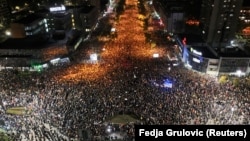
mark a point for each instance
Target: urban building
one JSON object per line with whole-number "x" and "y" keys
{"x": 175, "y": 13}
{"x": 31, "y": 43}
{"x": 5, "y": 13}
{"x": 28, "y": 26}
{"x": 83, "y": 2}
{"x": 245, "y": 15}
{"x": 213, "y": 48}
{"x": 244, "y": 30}
{"x": 199, "y": 56}
{"x": 172, "y": 15}
{"x": 60, "y": 20}
{"x": 25, "y": 53}
{"x": 88, "y": 16}
{"x": 219, "y": 21}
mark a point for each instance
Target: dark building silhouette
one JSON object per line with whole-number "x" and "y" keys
{"x": 5, "y": 14}
{"x": 219, "y": 19}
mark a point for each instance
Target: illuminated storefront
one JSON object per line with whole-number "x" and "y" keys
{"x": 201, "y": 58}
{"x": 197, "y": 61}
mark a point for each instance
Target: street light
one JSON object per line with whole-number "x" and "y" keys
{"x": 109, "y": 129}
{"x": 7, "y": 33}
{"x": 156, "y": 55}
{"x": 232, "y": 111}
{"x": 93, "y": 57}
{"x": 238, "y": 73}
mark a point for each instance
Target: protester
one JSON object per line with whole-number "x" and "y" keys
{"x": 66, "y": 99}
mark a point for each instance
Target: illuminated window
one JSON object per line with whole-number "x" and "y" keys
{"x": 196, "y": 60}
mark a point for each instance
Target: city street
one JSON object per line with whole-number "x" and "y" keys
{"x": 123, "y": 75}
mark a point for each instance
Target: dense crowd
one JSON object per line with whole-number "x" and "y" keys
{"x": 193, "y": 99}
{"x": 60, "y": 109}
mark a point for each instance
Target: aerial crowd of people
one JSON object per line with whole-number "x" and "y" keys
{"x": 63, "y": 101}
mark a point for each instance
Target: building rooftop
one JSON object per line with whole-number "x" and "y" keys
{"x": 197, "y": 43}
{"x": 234, "y": 52}
{"x": 29, "y": 19}
{"x": 34, "y": 42}
{"x": 21, "y": 12}
{"x": 204, "y": 50}
{"x": 87, "y": 9}
{"x": 43, "y": 10}
{"x": 191, "y": 38}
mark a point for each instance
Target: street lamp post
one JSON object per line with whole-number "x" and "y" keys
{"x": 232, "y": 112}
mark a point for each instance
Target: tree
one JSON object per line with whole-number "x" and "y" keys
{"x": 223, "y": 79}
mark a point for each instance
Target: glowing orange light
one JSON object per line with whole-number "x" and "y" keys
{"x": 192, "y": 22}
